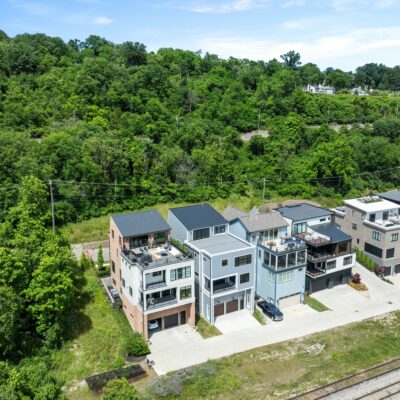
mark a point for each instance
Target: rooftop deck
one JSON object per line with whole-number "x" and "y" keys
{"x": 283, "y": 245}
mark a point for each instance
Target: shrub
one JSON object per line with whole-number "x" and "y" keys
{"x": 100, "y": 259}
{"x": 119, "y": 389}
{"x": 356, "y": 278}
{"x": 135, "y": 345}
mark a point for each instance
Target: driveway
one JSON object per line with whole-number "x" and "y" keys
{"x": 170, "y": 353}
{"x": 236, "y": 321}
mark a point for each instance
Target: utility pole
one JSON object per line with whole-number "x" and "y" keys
{"x": 53, "y": 220}
{"x": 263, "y": 189}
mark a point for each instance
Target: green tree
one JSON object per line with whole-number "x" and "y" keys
{"x": 100, "y": 259}
{"x": 291, "y": 59}
{"x": 119, "y": 389}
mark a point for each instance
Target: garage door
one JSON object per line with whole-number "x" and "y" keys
{"x": 397, "y": 268}
{"x": 171, "y": 320}
{"x": 289, "y": 301}
{"x": 219, "y": 310}
{"x": 232, "y": 306}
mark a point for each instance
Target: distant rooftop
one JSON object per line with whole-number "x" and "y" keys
{"x": 393, "y": 195}
{"x": 260, "y": 222}
{"x": 198, "y": 216}
{"x": 371, "y": 204}
{"x": 304, "y": 211}
{"x": 332, "y": 230}
{"x": 230, "y": 213}
{"x": 140, "y": 223}
{"x": 220, "y": 244}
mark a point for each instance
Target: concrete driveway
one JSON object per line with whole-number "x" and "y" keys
{"x": 236, "y": 321}
{"x": 346, "y": 304}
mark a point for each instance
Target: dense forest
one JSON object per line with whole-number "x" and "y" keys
{"x": 116, "y": 127}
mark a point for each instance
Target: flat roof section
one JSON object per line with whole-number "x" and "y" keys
{"x": 304, "y": 211}
{"x": 392, "y": 195}
{"x": 220, "y": 244}
{"x": 369, "y": 206}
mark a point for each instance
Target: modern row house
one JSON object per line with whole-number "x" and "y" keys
{"x": 374, "y": 224}
{"x": 281, "y": 258}
{"x": 155, "y": 279}
{"x": 330, "y": 257}
{"x": 224, "y": 263}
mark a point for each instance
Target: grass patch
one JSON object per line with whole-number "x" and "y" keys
{"x": 357, "y": 286}
{"x": 100, "y": 346}
{"x": 315, "y": 304}
{"x": 282, "y": 370}
{"x": 96, "y": 229}
{"x": 205, "y": 329}
{"x": 259, "y": 316}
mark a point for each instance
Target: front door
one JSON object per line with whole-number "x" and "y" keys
{"x": 182, "y": 317}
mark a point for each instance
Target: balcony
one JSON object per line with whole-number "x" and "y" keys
{"x": 284, "y": 244}
{"x": 222, "y": 285}
{"x": 313, "y": 272}
{"x": 155, "y": 285}
{"x": 316, "y": 257}
{"x": 160, "y": 299}
{"x": 313, "y": 238}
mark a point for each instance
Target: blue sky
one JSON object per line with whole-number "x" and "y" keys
{"x": 339, "y": 33}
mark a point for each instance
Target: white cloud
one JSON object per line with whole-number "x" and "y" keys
{"x": 102, "y": 20}
{"x": 346, "y": 5}
{"x": 228, "y": 7}
{"x": 345, "y": 50}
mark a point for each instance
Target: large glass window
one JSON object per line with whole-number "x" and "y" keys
{"x": 390, "y": 253}
{"x": 269, "y": 234}
{"x": 201, "y": 233}
{"x": 185, "y": 292}
{"x": 266, "y": 258}
{"x": 300, "y": 227}
{"x": 271, "y": 276}
{"x": 385, "y": 215}
{"x": 347, "y": 260}
{"x": 395, "y": 237}
{"x": 273, "y": 261}
{"x": 291, "y": 259}
{"x": 342, "y": 247}
{"x": 242, "y": 260}
{"x": 219, "y": 229}
{"x": 372, "y": 217}
{"x": 331, "y": 264}
{"x": 301, "y": 257}
{"x": 376, "y": 235}
{"x": 207, "y": 283}
{"x": 282, "y": 261}
{"x": 244, "y": 278}
{"x": 180, "y": 273}
{"x": 285, "y": 277}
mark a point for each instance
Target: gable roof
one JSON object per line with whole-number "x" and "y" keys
{"x": 304, "y": 211}
{"x": 230, "y": 213}
{"x": 392, "y": 195}
{"x": 261, "y": 222}
{"x": 198, "y": 216}
{"x": 332, "y": 230}
{"x": 140, "y": 223}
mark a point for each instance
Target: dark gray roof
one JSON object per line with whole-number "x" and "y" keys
{"x": 140, "y": 223}
{"x": 198, "y": 216}
{"x": 393, "y": 195}
{"x": 303, "y": 212}
{"x": 331, "y": 229}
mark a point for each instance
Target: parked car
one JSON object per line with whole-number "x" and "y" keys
{"x": 114, "y": 293}
{"x": 271, "y": 310}
{"x": 153, "y": 324}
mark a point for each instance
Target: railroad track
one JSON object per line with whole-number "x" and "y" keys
{"x": 385, "y": 392}
{"x": 333, "y": 388}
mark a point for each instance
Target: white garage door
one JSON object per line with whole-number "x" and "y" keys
{"x": 289, "y": 301}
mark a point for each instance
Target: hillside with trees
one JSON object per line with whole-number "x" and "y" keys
{"x": 116, "y": 127}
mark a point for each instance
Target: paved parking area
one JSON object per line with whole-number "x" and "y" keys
{"x": 184, "y": 349}
{"x": 236, "y": 321}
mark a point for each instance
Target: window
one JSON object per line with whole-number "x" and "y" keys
{"x": 112, "y": 266}
{"x": 185, "y": 292}
{"x": 112, "y": 233}
{"x": 347, "y": 260}
{"x": 219, "y": 229}
{"x": 201, "y": 233}
{"x": 342, "y": 248}
{"x": 282, "y": 261}
{"x": 285, "y": 277}
{"x": 271, "y": 276}
{"x": 353, "y": 213}
{"x": 376, "y": 235}
{"x": 224, "y": 263}
{"x": 207, "y": 284}
{"x": 390, "y": 253}
{"x": 259, "y": 253}
{"x": 273, "y": 261}
{"x": 322, "y": 219}
{"x": 244, "y": 278}
{"x": 120, "y": 241}
{"x": 372, "y": 217}
{"x": 123, "y": 282}
{"x": 331, "y": 265}
{"x": 301, "y": 257}
{"x": 269, "y": 234}
{"x": 291, "y": 260}
{"x": 300, "y": 228}
{"x": 371, "y": 249}
{"x": 242, "y": 260}
{"x": 395, "y": 237}
{"x": 385, "y": 215}
{"x": 266, "y": 258}
{"x": 354, "y": 227}
{"x": 117, "y": 253}
{"x": 358, "y": 241}
{"x": 130, "y": 291}
{"x": 157, "y": 273}
{"x": 180, "y": 273}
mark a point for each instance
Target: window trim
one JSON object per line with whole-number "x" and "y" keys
{"x": 246, "y": 274}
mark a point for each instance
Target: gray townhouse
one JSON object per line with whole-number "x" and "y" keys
{"x": 330, "y": 257}
{"x": 281, "y": 258}
{"x": 224, "y": 263}
{"x": 374, "y": 224}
